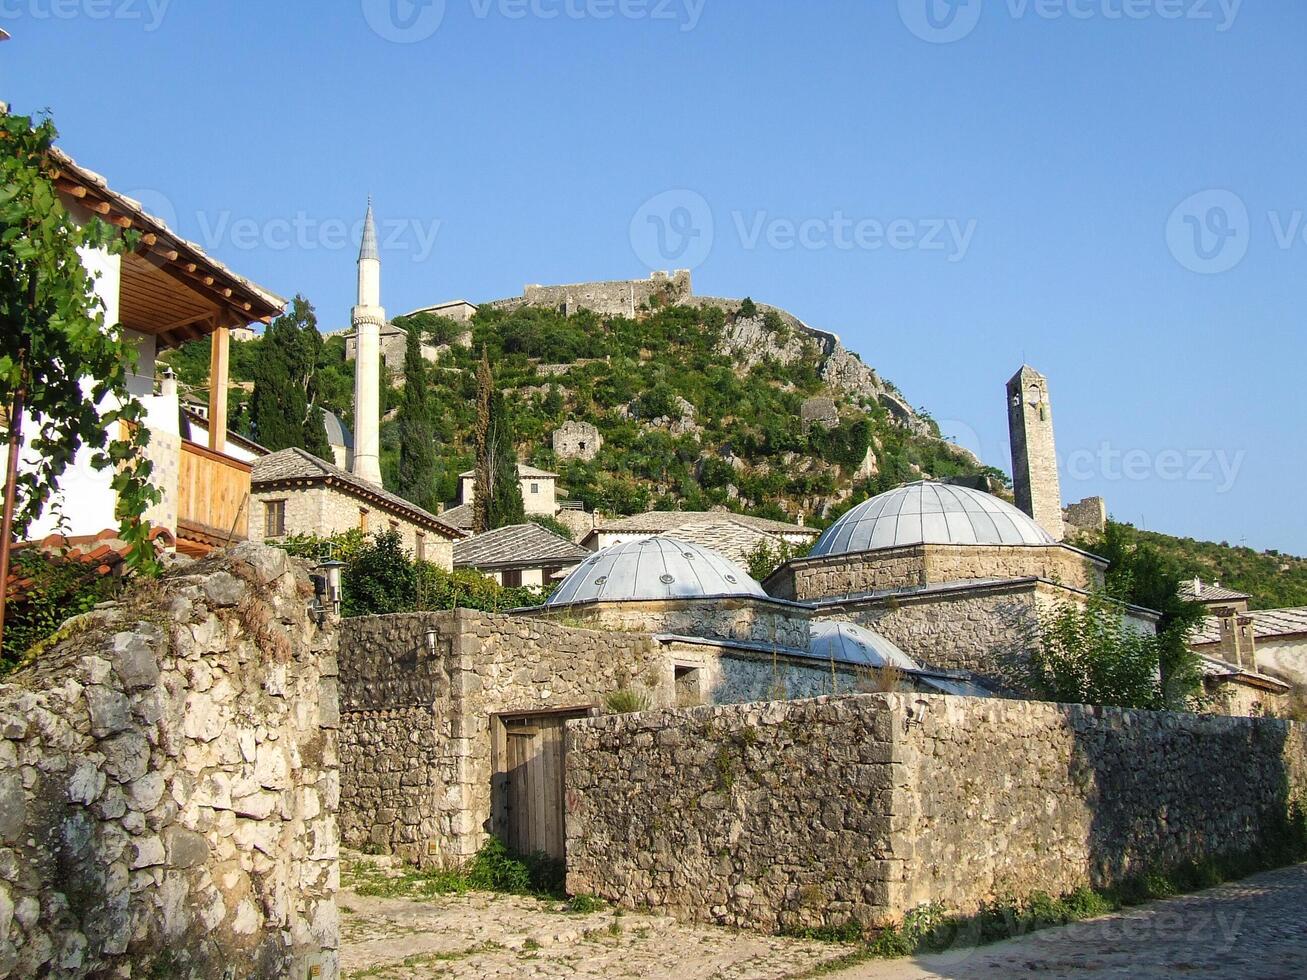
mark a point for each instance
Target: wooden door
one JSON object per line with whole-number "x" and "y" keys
{"x": 533, "y": 784}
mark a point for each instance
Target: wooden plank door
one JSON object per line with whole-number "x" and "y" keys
{"x": 533, "y": 797}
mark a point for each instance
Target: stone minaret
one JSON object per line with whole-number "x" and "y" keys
{"x": 368, "y": 319}
{"x": 1034, "y": 457}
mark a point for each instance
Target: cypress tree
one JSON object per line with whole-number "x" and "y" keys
{"x": 284, "y": 408}
{"x": 416, "y": 479}
{"x": 484, "y": 467}
{"x": 506, "y": 506}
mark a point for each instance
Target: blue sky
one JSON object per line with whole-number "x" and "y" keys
{"x": 1110, "y": 190}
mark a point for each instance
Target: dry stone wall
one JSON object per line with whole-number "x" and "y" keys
{"x": 168, "y": 784}
{"x": 812, "y": 813}
{"x": 416, "y": 734}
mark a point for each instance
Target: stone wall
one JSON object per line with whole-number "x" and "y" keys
{"x": 416, "y": 726}
{"x": 746, "y": 620}
{"x": 577, "y": 440}
{"x": 811, "y": 813}
{"x": 168, "y": 783}
{"x": 913, "y": 566}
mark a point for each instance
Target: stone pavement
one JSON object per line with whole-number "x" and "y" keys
{"x": 1252, "y": 928}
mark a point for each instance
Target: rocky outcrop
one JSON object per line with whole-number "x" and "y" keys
{"x": 168, "y": 784}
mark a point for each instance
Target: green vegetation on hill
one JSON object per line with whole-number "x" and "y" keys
{"x": 685, "y": 425}
{"x": 1273, "y": 580}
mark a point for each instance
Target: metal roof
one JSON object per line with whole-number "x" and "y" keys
{"x": 655, "y": 568}
{"x": 368, "y": 247}
{"x": 930, "y": 513}
{"x": 528, "y": 545}
{"x": 849, "y": 643}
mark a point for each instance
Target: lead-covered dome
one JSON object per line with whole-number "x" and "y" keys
{"x": 852, "y": 644}
{"x": 930, "y": 513}
{"x": 654, "y": 568}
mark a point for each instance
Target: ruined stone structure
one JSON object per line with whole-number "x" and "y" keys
{"x": 820, "y": 411}
{"x": 168, "y": 784}
{"x": 623, "y": 298}
{"x": 577, "y": 440}
{"x": 1034, "y": 455}
{"x": 393, "y": 347}
{"x": 1088, "y": 515}
{"x": 807, "y": 814}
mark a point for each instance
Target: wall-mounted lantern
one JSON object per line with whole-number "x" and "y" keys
{"x": 330, "y": 569}
{"x": 431, "y": 635}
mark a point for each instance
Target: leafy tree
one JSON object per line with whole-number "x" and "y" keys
{"x": 748, "y": 309}
{"x": 1089, "y": 654}
{"x": 284, "y": 407}
{"x": 552, "y": 524}
{"x": 61, "y": 366}
{"x": 765, "y": 557}
{"x": 1141, "y": 575}
{"x": 416, "y": 478}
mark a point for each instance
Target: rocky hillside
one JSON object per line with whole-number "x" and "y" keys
{"x": 701, "y": 403}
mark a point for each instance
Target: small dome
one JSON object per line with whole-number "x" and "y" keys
{"x": 929, "y": 513}
{"x": 654, "y": 568}
{"x": 857, "y": 645}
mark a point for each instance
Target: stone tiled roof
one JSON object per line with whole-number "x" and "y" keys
{"x": 1267, "y": 624}
{"x": 1212, "y": 667}
{"x": 294, "y": 465}
{"x": 663, "y": 521}
{"x": 729, "y": 538}
{"x": 1209, "y": 593}
{"x": 460, "y": 517}
{"x": 525, "y": 545}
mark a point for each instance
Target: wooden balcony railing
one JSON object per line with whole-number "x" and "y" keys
{"x": 213, "y": 499}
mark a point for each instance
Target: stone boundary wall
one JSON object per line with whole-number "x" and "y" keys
{"x": 416, "y": 726}
{"x": 746, "y": 620}
{"x": 168, "y": 783}
{"x": 913, "y": 566}
{"x": 812, "y": 813}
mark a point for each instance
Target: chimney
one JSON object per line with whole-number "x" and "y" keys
{"x": 1238, "y": 640}
{"x": 1198, "y": 587}
{"x": 168, "y": 383}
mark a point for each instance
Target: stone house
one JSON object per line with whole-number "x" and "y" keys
{"x": 539, "y": 495}
{"x": 294, "y": 492}
{"x": 734, "y": 535}
{"x": 519, "y": 555}
{"x": 394, "y": 348}
{"x": 1267, "y": 641}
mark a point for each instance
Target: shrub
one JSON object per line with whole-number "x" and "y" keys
{"x": 60, "y": 589}
{"x": 627, "y": 701}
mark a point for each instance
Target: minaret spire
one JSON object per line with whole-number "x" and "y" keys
{"x": 368, "y": 319}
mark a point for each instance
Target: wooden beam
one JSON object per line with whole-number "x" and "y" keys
{"x": 71, "y": 189}
{"x": 219, "y": 350}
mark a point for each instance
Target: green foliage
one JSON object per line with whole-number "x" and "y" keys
{"x": 494, "y": 869}
{"x": 627, "y": 701}
{"x": 748, "y": 309}
{"x": 60, "y": 589}
{"x": 1090, "y": 655}
{"x": 765, "y": 557}
{"x": 1143, "y": 575}
{"x": 506, "y": 506}
{"x": 1274, "y": 580}
{"x": 69, "y": 368}
{"x": 552, "y": 524}
{"x": 438, "y": 331}
{"x": 585, "y": 905}
{"x": 380, "y": 578}
{"x": 285, "y": 409}
{"x": 416, "y": 478}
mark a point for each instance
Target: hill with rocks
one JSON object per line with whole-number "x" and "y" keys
{"x": 701, "y": 402}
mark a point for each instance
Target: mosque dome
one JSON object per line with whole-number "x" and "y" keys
{"x": 654, "y": 568}
{"x": 930, "y": 513}
{"x": 850, "y": 644}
